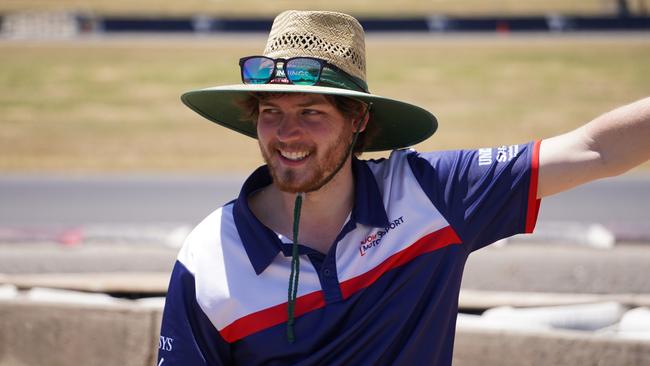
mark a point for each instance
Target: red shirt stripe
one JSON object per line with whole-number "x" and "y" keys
{"x": 277, "y": 314}
{"x": 533, "y": 201}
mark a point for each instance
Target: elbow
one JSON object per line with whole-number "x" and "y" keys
{"x": 614, "y": 162}
{"x": 605, "y": 158}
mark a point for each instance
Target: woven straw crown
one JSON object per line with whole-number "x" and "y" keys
{"x": 335, "y": 37}
{"x": 338, "y": 39}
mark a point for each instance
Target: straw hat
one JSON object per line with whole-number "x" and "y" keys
{"x": 338, "y": 39}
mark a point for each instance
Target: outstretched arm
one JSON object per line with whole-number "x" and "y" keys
{"x": 609, "y": 145}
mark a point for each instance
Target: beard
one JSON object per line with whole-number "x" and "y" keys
{"x": 313, "y": 175}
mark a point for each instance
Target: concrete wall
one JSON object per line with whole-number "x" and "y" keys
{"x": 532, "y": 348}
{"x": 40, "y": 333}
{"x": 125, "y": 333}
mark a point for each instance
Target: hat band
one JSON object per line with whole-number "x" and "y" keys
{"x": 336, "y": 79}
{"x": 332, "y": 78}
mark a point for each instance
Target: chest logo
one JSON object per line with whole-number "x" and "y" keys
{"x": 374, "y": 240}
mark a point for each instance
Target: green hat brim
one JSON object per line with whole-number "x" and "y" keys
{"x": 398, "y": 124}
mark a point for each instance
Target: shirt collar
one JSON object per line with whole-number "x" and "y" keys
{"x": 262, "y": 245}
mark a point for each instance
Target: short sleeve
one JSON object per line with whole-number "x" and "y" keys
{"x": 187, "y": 336}
{"x": 485, "y": 194}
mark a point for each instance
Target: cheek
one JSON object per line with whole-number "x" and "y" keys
{"x": 264, "y": 131}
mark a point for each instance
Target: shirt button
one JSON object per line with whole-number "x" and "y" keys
{"x": 326, "y": 272}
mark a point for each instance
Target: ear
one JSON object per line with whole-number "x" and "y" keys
{"x": 364, "y": 123}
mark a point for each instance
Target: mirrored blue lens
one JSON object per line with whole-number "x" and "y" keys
{"x": 303, "y": 71}
{"x": 257, "y": 70}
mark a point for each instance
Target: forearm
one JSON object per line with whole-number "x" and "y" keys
{"x": 608, "y": 145}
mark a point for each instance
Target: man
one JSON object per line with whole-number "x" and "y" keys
{"x": 327, "y": 259}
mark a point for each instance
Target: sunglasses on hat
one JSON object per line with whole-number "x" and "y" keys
{"x": 295, "y": 70}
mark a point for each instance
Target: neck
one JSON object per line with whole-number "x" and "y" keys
{"x": 334, "y": 197}
{"x": 323, "y": 211}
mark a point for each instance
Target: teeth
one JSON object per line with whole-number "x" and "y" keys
{"x": 294, "y": 155}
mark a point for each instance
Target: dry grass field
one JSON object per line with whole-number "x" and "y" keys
{"x": 358, "y": 7}
{"x": 113, "y": 104}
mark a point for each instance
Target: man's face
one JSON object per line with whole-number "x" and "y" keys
{"x": 303, "y": 138}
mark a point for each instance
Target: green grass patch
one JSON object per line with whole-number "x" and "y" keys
{"x": 98, "y": 106}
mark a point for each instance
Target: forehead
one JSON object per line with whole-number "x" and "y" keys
{"x": 299, "y": 99}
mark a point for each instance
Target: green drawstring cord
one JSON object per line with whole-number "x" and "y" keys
{"x": 295, "y": 270}
{"x": 295, "y": 259}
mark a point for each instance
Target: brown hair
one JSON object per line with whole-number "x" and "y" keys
{"x": 349, "y": 108}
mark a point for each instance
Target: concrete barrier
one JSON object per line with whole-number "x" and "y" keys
{"x": 584, "y": 317}
{"x": 148, "y": 283}
{"x": 635, "y": 323}
{"x": 125, "y": 333}
{"x": 53, "y": 334}
{"x": 477, "y": 300}
{"x": 489, "y": 347}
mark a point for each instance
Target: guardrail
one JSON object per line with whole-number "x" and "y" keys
{"x": 20, "y": 24}
{"x": 435, "y": 23}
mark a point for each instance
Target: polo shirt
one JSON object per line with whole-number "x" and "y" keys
{"x": 387, "y": 290}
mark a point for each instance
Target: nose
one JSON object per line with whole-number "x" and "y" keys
{"x": 289, "y": 128}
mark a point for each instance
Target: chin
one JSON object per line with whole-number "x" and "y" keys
{"x": 289, "y": 184}
{"x": 292, "y": 187}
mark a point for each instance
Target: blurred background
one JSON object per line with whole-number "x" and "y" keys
{"x": 103, "y": 171}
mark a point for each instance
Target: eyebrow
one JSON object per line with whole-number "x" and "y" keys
{"x": 308, "y": 103}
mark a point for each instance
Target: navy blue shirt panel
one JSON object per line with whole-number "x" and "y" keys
{"x": 482, "y": 202}
{"x": 412, "y": 306}
{"x": 186, "y": 336}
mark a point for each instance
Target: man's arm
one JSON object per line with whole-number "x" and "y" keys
{"x": 609, "y": 145}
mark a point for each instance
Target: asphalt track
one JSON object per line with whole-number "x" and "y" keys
{"x": 41, "y": 201}
{"x": 141, "y": 201}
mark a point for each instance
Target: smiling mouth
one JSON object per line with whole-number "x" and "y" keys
{"x": 294, "y": 155}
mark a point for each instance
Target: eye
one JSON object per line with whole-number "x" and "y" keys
{"x": 311, "y": 112}
{"x": 269, "y": 110}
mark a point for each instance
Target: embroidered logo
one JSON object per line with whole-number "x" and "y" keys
{"x": 504, "y": 154}
{"x": 373, "y": 240}
{"x": 484, "y": 156}
{"x": 507, "y": 153}
{"x": 165, "y": 343}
